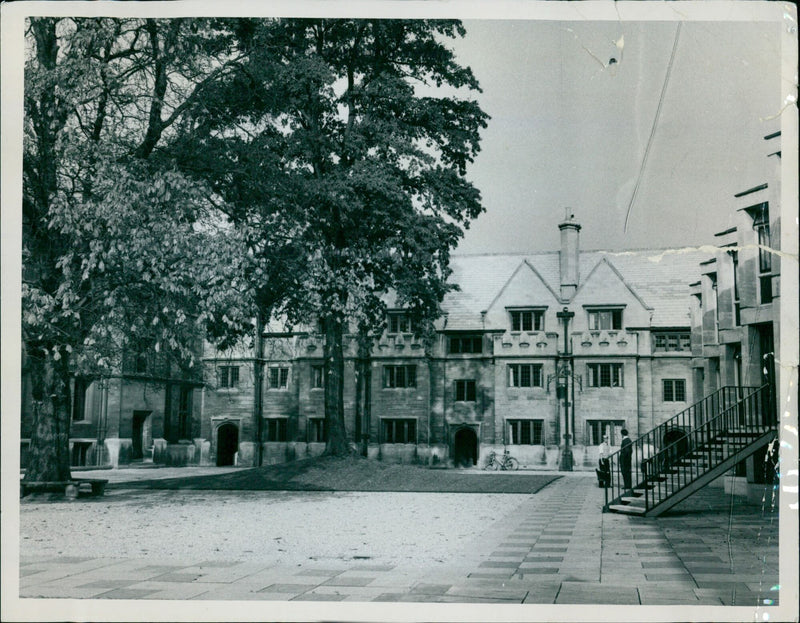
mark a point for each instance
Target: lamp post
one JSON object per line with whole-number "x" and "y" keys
{"x": 562, "y": 384}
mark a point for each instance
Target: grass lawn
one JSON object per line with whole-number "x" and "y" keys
{"x": 351, "y": 474}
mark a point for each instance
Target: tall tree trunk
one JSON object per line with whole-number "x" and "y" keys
{"x": 367, "y": 405}
{"x": 364, "y": 390}
{"x": 359, "y": 424}
{"x": 48, "y": 455}
{"x": 334, "y": 388}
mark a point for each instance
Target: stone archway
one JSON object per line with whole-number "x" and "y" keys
{"x": 227, "y": 443}
{"x": 465, "y": 447}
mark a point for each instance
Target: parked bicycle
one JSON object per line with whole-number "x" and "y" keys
{"x": 504, "y": 461}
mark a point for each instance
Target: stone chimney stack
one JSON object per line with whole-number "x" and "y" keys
{"x": 569, "y": 255}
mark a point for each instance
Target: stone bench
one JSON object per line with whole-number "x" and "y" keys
{"x": 71, "y": 488}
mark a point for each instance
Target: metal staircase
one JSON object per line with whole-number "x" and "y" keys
{"x": 685, "y": 453}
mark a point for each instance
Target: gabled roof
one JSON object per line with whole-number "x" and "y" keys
{"x": 605, "y": 261}
{"x": 525, "y": 265}
{"x": 659, "y": 278}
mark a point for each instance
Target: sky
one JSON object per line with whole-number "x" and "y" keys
{"x": 570, "y": 129}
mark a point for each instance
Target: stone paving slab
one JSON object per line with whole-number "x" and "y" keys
{"x": 555, "y": 548}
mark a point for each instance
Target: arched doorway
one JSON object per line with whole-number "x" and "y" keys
{"x": 465, "y": 448}
{"x": 227, "y": 444}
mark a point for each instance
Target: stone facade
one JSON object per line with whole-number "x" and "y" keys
{"x": 148, "y": 411}
{"x": 736, "y": 303}
{"x": 531, "y": 347}
{"x": 500, "y": 374}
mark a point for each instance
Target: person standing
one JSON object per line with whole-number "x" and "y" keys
{"x": 604, "y": 467}
{"x": 625, "y": 456}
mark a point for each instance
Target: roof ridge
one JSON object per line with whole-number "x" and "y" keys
{"x": 526, "y": 253}
{"x": 500, "y": 253}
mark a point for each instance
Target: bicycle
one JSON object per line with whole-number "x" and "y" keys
{"x": 505, "y": 462}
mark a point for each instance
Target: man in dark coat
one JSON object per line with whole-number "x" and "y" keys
{"x": 625, "y": 455}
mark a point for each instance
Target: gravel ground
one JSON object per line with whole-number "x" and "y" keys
{"x": 287, "y": 528}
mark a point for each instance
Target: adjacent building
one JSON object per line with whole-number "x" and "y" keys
{"x": 149, "y": 410}
{"x": 735, "y": 303}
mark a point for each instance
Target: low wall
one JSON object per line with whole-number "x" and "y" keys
{"x": 118, "y": 451}
{"x": 275, "y": 452}
{"x": 180, "y": 454}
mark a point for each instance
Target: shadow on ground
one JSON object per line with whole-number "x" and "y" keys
{"x": 349, "y": 474}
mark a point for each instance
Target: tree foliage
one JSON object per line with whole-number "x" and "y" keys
{"x": 121, "y": 251}
{"x": 341, "y": 149}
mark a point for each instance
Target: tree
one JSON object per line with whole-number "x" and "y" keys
{"x": 120, "y": 250}
{"x": 352, "y": 137}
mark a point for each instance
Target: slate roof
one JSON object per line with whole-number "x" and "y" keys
{"x": 659, "y": 277}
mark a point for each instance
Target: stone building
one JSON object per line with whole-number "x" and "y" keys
{"x": 736, "y": 302}
{"x": 150, "y": 410}
{"x": 532, "y": 347}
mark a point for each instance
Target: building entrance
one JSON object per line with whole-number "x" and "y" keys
{"x": 465, "y": 448}
{"x": 227, "y": 444}
{"x": 140, "y": 434}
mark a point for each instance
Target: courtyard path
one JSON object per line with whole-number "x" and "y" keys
{"x": 552, "y": 547}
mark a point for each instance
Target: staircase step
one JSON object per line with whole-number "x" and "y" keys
{"x": 679, "y": 472}
{"x": 738, "y": 440}
{"x": 633, "y": 500}
{"x": 626, "y": 509}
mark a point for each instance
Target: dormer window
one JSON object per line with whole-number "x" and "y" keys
{"x": 527, "y": 319}
{"x": 398, "y": 323}
{"x": 605, "y": 319}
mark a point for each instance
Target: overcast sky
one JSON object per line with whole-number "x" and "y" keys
{"x": 570, "y": 129}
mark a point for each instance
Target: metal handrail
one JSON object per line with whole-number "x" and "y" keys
{"x": 732, "y": 430}
{"x": 646, "y": 447}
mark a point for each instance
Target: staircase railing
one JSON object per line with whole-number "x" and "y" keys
{"x": 654, "y": 441}
{"x": 709, "y": 445}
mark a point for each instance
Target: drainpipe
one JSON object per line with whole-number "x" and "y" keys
{"x": 258, "y": 369}
{"x": 572, "y": 401}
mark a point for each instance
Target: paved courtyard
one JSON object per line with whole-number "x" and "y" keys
{"x": 552, "y": 547}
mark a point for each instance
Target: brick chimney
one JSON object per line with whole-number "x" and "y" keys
{"x": 569, "y": 255}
